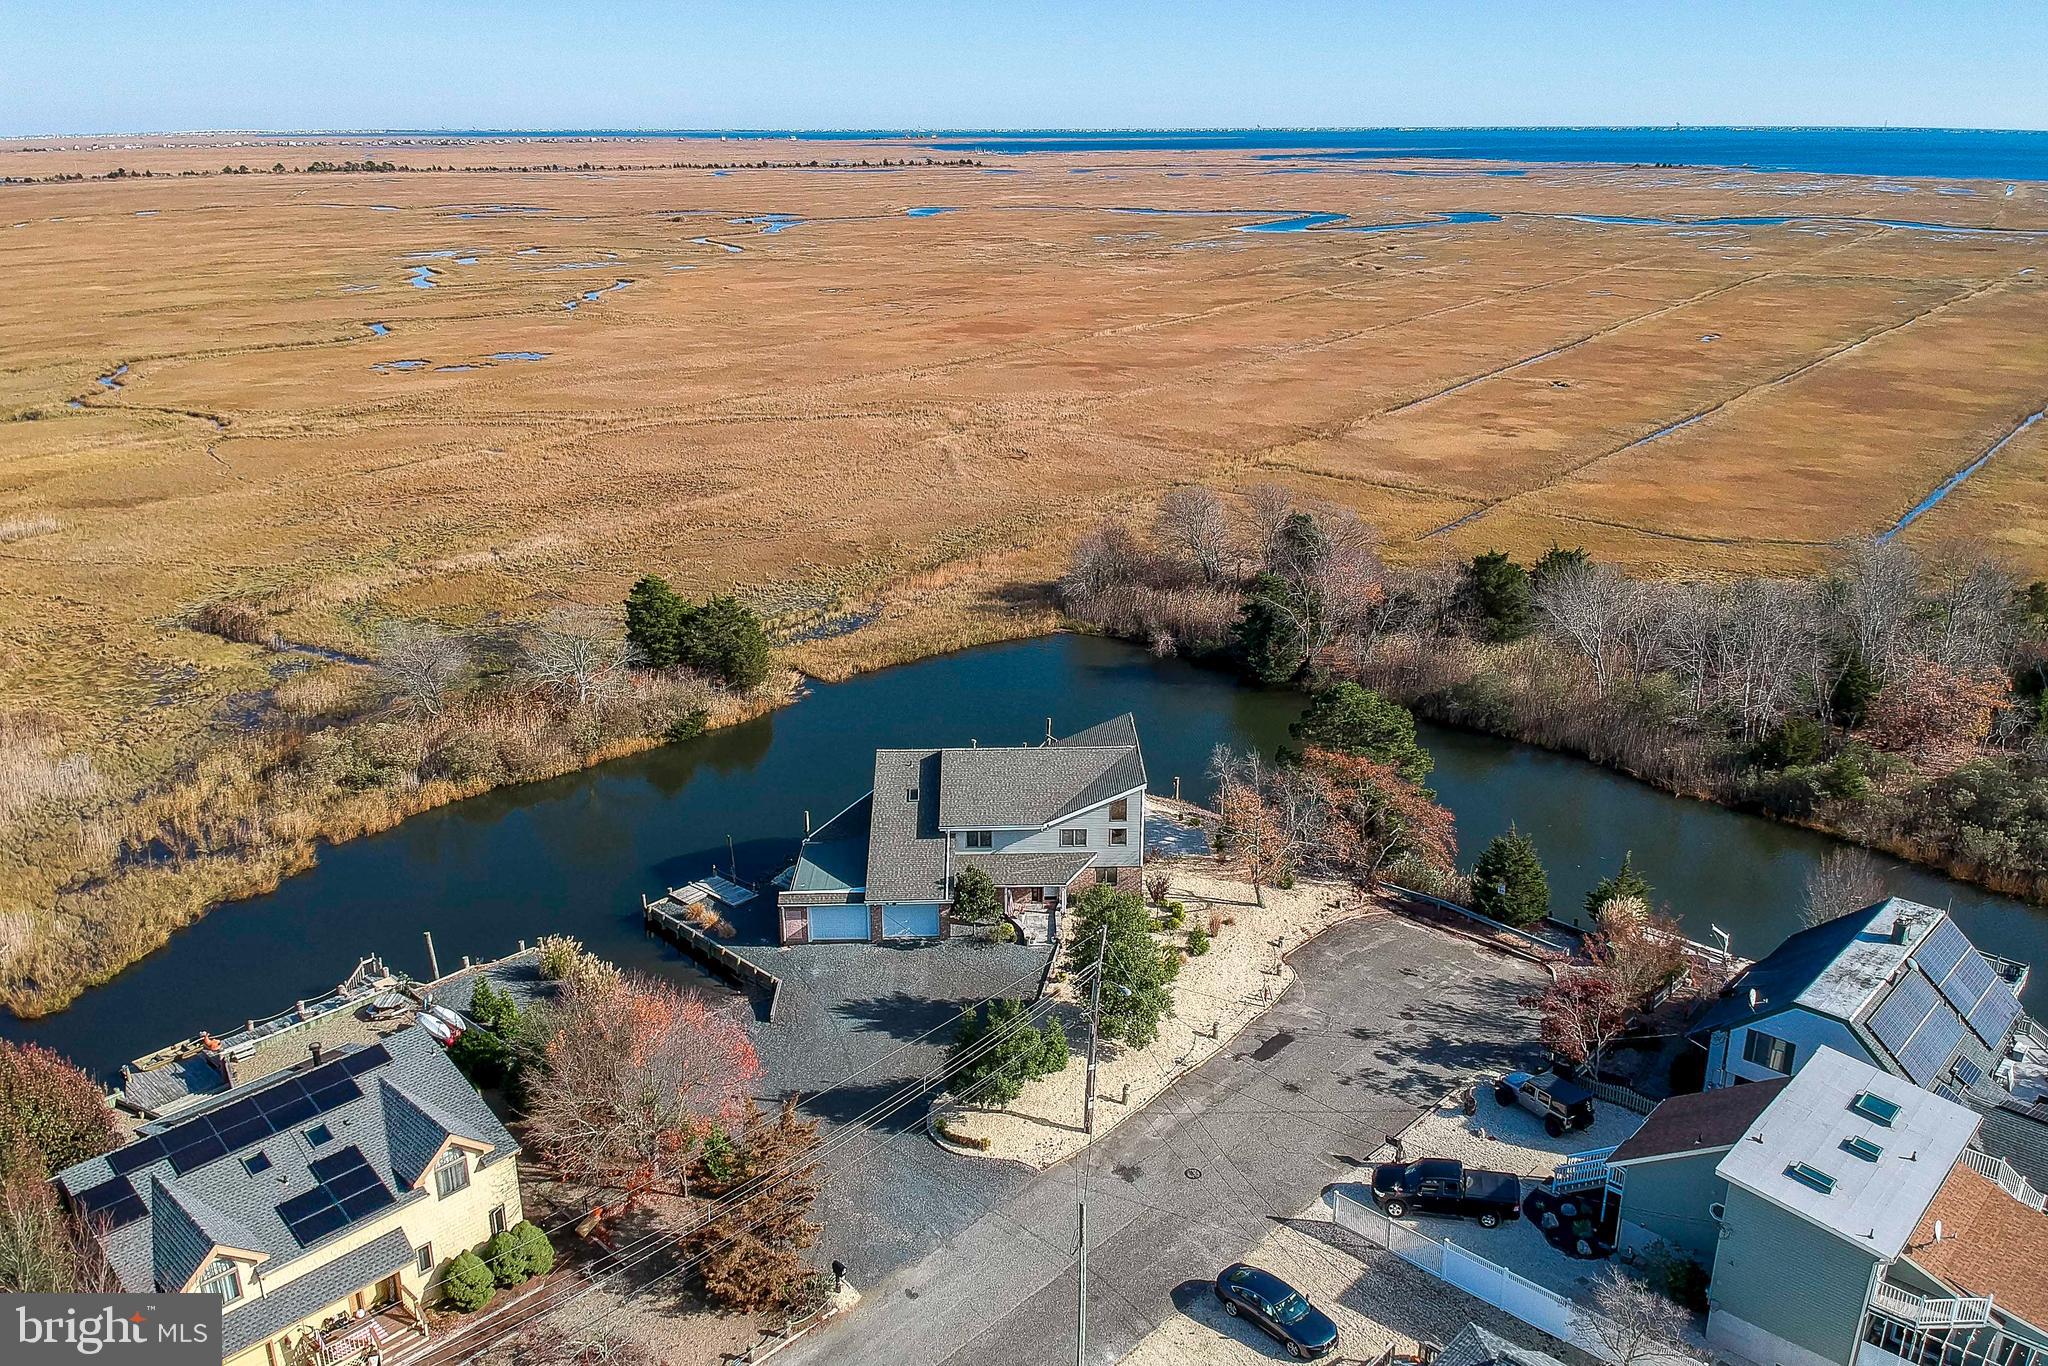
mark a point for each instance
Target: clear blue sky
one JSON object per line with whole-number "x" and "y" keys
{"x": 185, "y": 64}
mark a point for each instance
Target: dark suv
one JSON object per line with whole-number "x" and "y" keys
{"x": 1250, "y": 1293}
{"x": 1560, "y": 1102}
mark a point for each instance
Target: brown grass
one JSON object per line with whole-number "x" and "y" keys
{"x": 864, "y": 418}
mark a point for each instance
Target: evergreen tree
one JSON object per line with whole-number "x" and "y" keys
{"x": 750, "y": 1251}
{"x": 997, "y": 1051}
{"x": 1137, "y": 968}
{"x": 468, "y": 1284}
{"x": 1268, "y": 631}
{"x": 1500, "y": 597}
{"x": 654, "y": 622}
{"x": 1508, "y": 884}
{"x": 724, "y": 639}
{"x": 1855, "y": 689}
{"x": 489, "y": 1054}
{"x": 1354, "y": 720}
{"x": 1625, "y": 881}
{"x": 1557, "y": 560}
{"x": 975, "y": 899}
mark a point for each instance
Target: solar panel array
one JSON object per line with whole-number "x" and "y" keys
{"x": 1970, "y": 983}
{"x": 1918, "y": 1028}
{"x": 348, "y": 1191}
{"x": 272, "y": 1110}
{"x": 114, "y": 1201}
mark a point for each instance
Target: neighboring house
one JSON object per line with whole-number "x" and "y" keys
{"x": 1663, "y": 1174}
{"x": 332, "y": 1194}
{"x": 1900, "y": 986}
{"x": 1851, "y": 1222}
{"x": 1043, "y": 821}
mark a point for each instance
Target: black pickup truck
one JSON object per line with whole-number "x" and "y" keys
{"x": 1441, "y": 1185}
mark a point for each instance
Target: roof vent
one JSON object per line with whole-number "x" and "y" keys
{"x": 1902, "y": 931}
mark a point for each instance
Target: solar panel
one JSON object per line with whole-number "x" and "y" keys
{"x": 113, "y": 1201}
{"x": 1942, "y": 951}
{"x": 1992, "y": 1018}
{"x": 281, "y": 1096}
{"x": 348, "y": 1191}
{"x": 1964, "y": 986}
{"x": 136, "y": 1156}
{"x": 1903, "y": 1012}
{"x": 364, "y": 1059}
{"x": 1967, "y": 1072}
{"x": 202, "y": 1149}
{"x": 1933, "y": 1044}
{"x": 232, "y": 1127}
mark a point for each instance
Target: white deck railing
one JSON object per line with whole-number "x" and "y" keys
{"x": 1925, "y": 1312}
{"x": 1584, "y": 1171}
{"x": 2010, "y": 1181}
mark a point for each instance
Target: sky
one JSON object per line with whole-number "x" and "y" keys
{"x": 181, "y": 65}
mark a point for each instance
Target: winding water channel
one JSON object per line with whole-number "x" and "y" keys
{"x": 574, "y": 854}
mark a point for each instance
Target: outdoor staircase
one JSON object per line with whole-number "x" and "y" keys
{"x": 1585, "y": 1171}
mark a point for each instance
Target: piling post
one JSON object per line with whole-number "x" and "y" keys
{"x": 433, "y": 962}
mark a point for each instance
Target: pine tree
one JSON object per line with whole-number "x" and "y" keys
{"x": 1354, "y": 720}
{"x": 1268, "y": 632}
{"x": 997, "y": 1051}
{"x": 975, "y": 899}
{"x": 1140, "y": 965}
{"x": 726, "y": 640}
{"x": 654, "y": 622}
{"x": 1500, "y": 597}
{"x": 1624, "y": 882}
{"x": 750, "y": 1254}
{"x": 1855, "y": 689}
{"x": 1508, "y": 882}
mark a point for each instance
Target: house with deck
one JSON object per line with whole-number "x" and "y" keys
{"x": 320, "y": 1203}
{"x": 1844, "y": 1217}
{"x": 1043, "y": 821}
{"x": 1898, "y": 985}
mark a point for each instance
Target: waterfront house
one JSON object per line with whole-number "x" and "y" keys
{"x": 1899, "y": 985}
{"x": 1043, "y": 821}
{"x": 321, "y": 1202}
{"x": 1844, "y": 1217}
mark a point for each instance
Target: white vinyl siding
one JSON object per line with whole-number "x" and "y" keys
{"x": 1097, "y": 823}
{"x": 1805, "y": 1030}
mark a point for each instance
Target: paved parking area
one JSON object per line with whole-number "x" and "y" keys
{"x": 1385, "y": 1016}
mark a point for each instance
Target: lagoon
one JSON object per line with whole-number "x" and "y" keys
{"x": 574, "y": 854}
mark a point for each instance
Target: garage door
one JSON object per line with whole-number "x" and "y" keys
{"x": 910, "y": 922}
{"x": 838, "y": 922}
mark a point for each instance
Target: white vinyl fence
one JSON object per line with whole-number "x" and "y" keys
{"x": 1538, "y": 1306}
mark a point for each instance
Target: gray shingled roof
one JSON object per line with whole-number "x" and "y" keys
{"x": 185, "y": 1230}
{"x": 1004, "y": 787}
{"x": 1475, "y": 1346}
{"x": 261, "y": 1316}
{"x": 906, "y": 852}
{"x": 1028, "y": 870}
{"x": 224, "y": 1202}
{"x": 414, "y": 1130}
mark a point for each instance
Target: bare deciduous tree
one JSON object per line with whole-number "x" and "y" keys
{"x": 577, "y": 661}
{"x": 1632, "y": 1321}
{"x": 1108, "y": 558}
{"x": 1846, "y": 879}
{"x": 1191, "y": 521}
{"x": 1266, "y": 510}
{"x": 420, "y": 664}
{"x": 1880, "y": 596}
{"x": 1589, "y": 605}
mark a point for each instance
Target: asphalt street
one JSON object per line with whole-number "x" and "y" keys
{"x": 1383, "y": 1018}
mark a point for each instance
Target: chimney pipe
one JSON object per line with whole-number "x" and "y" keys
{"x": 317, "y": 1052}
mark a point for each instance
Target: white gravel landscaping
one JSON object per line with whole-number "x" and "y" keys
{"x": 1215, "y": 997}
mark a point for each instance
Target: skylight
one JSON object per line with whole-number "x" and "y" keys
{"x": 258, "y": 1161}
{"x": 1863, "y": 1148}
{"x": 1812, "y": 1177}
{"x": 1875, "y": 1108}
{"x": 319, "y": 1134}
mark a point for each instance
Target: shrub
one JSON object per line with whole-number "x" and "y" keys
{"x": 952, "y": 1135}
{"x": 559, "y": 955}
{"x": 1678, "y": 1276}
{"x": 468, "y": 1285}
{"x": 51, "y": 1114}
{"x": 1176, "y": 914}
{"x": 975, "y": 898}
{"x": 505, "y": 1259}
{"x": 1198, "y": 942}
{"x": 688, "y": 726}
{"x": 1508, "y": 883}
{"x": 1801, "y": 740}
{"x": 538, "y": 1251}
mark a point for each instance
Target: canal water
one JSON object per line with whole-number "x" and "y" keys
{"x": 576, "y": 853}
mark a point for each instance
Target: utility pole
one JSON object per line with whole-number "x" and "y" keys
{"x": 1094, "y": 1033}
{"x": 1081, "y": 1295}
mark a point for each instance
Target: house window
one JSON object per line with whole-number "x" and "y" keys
{"x": 1120, "y": 809}
{"x": 1119, "y": 837}
{"x": 978, "y": 839}
{"x": 423, "y": 1262}
{"x": 1105, "y": 877}
{"x": 909, "y": 794}
{"x": 451, "y": 1173}
{"x": 497, "y": 1219}
{"x": 1769, "y": 1052}
{"x": 1074, "y": 839}
{"x": 224, "y": 1279}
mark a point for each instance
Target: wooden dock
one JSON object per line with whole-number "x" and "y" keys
{"x": 668, "y": 917}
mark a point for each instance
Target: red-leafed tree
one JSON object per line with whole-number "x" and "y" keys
{"x": 1362, "y": 815}
{"x": 51, "y": 1114}
{"x": 636, "y": 1075}
{"x": 1581, "y": 1015}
